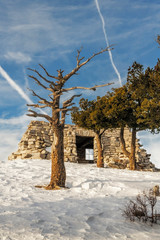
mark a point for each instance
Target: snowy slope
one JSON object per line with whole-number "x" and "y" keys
{"x": 89, "y": 209}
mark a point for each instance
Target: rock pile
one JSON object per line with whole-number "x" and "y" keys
{"x": 34, "y": 142}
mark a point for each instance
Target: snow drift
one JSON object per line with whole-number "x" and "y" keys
{"x": 89, "y": 209}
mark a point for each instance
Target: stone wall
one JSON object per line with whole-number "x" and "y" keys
{"x": 34, "y": 142}
{"x": 39, "y": 136}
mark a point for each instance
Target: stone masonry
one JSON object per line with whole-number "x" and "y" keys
{"x": 39, "y": 136}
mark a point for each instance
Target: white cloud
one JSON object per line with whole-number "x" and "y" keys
{"x": 7, "y": 93}
{"x": 153, "y": 148}
{"x": 9, "y": 142}
{"x": 11, "y": 131}
{"x": 18, "y": 57}
{"x": 30, "y": 33}
{"x": 20, "y": 121}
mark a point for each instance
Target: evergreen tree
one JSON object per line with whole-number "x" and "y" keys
{"x": 136, "y": 105}
{"x": 150, "y": 107}
{"x": 91, "y": 116}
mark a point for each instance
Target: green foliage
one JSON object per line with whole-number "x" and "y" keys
{"x": 137, "y": 103}
{"x": 118, "y": 107}
{"x": 147, "y": 93}
{"x": 91, "y": 115}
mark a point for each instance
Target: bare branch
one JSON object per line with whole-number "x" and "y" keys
{"x": 64, "y": 113}
{"x": 49, "y": 104}
{"x": 51, "y": 98}
{"x": 86, "y": 88}
{"x": 158, "y": 39}
{"x": 65, "y": 109}
{"x": 36, "y": 105}
{"x": 46, "y": 80}
{"x": 70, "y": 100}
{"x": 56, "y": 95}
{"x": 39, "y": 83}
{"x": 79, "y": 65}
{"x": 35, "y": 114}
{"x": 51, "y": 76}
{"x": 66, "y": 106}
{"x": 78, "y": 54}
{"x": 60, "y": 73}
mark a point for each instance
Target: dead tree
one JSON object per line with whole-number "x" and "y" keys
{"x": 55, "y": 85}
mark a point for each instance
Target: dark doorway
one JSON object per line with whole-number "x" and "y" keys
{"x": 85, "y": 153}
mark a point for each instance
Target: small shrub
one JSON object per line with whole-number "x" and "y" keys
{"x": 143, "y": 208}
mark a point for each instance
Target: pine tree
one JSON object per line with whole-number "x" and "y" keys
{"x": 136, "y": 105}
{"x": 91, "y": 116}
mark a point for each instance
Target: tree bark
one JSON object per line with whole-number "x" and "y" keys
{"x": 132, "y": 159}
{"x": 100, "y": 162}
{"x": 58, "y": 172}
{"x": 130, "y": 155}
{"x": 123, "y": 145}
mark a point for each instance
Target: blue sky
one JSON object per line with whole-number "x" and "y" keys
{"x": 49, "y": 32}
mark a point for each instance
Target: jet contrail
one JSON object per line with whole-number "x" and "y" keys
{"x": 15, "y": 86}
{"x": 107, "y": 42}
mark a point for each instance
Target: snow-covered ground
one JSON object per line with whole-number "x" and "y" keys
{"x": 89, "y": 210}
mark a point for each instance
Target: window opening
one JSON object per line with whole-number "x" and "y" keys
{"x": 85, "y": 149}
{"x": 89, "y": 154}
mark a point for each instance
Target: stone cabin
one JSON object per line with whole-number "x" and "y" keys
{"x": 79, "y": 146}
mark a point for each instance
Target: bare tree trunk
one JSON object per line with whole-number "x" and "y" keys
{"x": 58, "y": 173}
{"x": 100, "y": 162}
{"x": 132, "y": 159}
